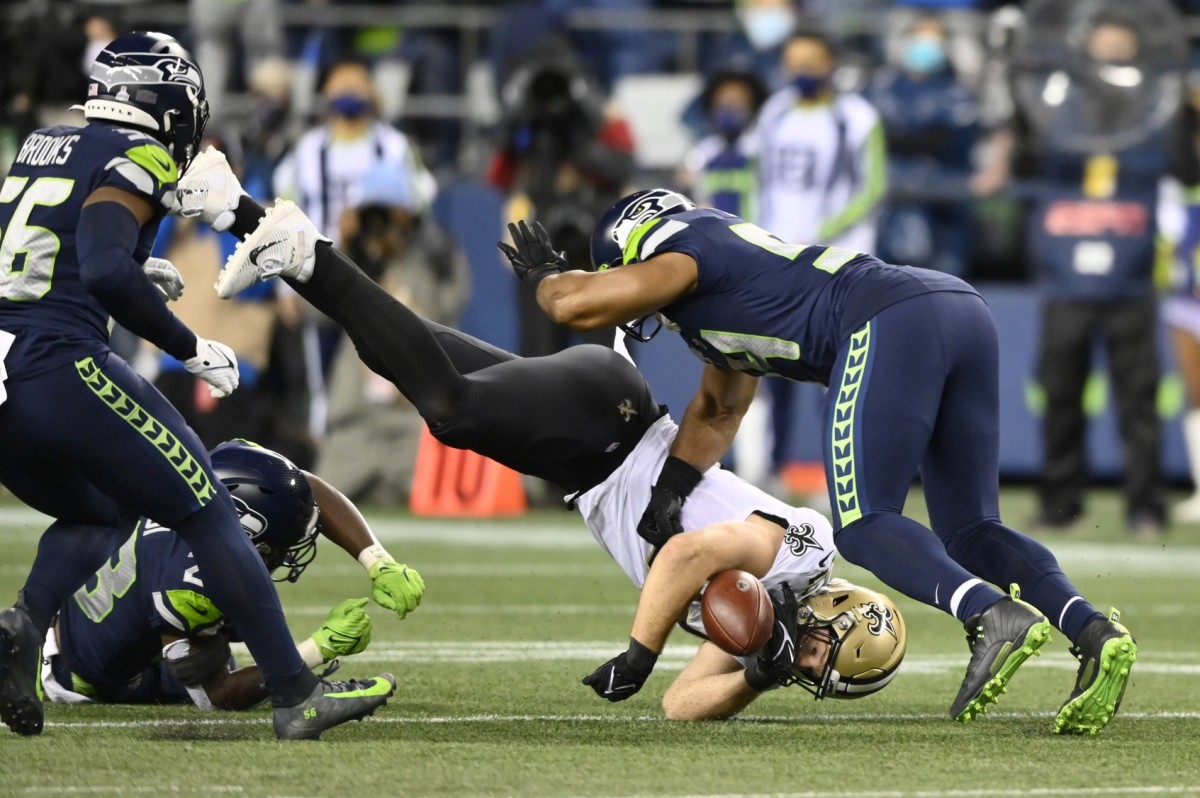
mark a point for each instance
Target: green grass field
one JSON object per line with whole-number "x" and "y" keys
{"x": 516, "y": 612}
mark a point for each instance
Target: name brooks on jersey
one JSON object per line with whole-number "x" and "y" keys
{"x": 42, "y": 150}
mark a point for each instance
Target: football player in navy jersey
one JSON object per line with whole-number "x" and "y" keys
{"x": 910, "y": 357}
{"x": 86, "y": 440}
{"x": 144, "y": 629}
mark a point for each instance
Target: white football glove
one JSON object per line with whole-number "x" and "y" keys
{"x": 209, "y": 190}
{"x": 165, "y": 276}
{"x": 216, "y": 364}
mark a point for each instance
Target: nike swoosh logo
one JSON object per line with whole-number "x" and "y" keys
{"x": 254, "y": 253}
{"x": 612, "y": 689}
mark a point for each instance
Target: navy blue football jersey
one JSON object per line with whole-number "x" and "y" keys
{"x": 42, "y": 299}
{"x": 111, "y": 629}
{"x": 763, "y": 306}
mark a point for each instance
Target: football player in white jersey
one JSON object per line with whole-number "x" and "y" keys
{"x": 584, "y": 419}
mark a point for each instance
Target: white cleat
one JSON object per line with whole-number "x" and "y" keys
{"x": 283, "y": 245}
{"x": 209, "y": 190}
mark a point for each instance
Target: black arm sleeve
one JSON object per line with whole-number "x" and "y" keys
{"x": 105, "y": 238}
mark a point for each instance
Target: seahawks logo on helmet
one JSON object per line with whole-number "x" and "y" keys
{"x": 800, "y": 539}
{"x": 879, "y": 620}
{"x": 254, "y": 523}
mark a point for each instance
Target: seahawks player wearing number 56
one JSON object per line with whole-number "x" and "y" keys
{"x": 600, "y": 436}
{"x": 144, "y": 629}
{"x": 85, "y": 439}
{"x": 910, "y": 356}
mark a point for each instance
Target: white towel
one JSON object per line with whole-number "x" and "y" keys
{"x": 6, "y": 342}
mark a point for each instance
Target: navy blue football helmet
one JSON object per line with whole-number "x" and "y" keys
{"x": 611, "y": 235}
{"x": 275, "y": 503}
{"x": 147, "y": 81}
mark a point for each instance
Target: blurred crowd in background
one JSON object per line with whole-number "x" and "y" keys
{"x": 1023, "y": 142}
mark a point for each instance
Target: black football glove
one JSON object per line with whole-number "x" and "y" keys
{"x": 661, "y": 519}
{"x": 777, "y": 660}
{"x": 624, "y": 674}
{"x": 533, "y": 257}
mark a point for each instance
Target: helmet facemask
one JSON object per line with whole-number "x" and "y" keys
{"x": 866, "y": 636}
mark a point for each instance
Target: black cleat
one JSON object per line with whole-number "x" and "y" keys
{"x": 331, "y": 704}
{"x": 1106, "y": 652}
{"x": 1001, "y": 638}
{"x": 20, "y": 667}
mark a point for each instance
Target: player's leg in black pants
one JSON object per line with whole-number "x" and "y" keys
{"x": 1064, "y": 361}
{"x": 558, "y": 417}
{"x": 960, "y": 472}
{"x": 99, "y": 423}
{"x": 1130, "y": 334}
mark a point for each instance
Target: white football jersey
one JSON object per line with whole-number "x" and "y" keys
{"x": 822, "y": 170}
{"x": 613, "y": 508}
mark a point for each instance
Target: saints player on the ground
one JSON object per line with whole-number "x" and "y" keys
{"x": 585, "y": 420}
{"x": 911, "y": 359}
{"x": 144, "y": 630}
{"x": 85, "y": 439}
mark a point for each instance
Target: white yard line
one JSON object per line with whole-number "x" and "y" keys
{"x": 1092, "y": 558}
{"x": 437, "y": 720}
{"x": 1032, "y": 792}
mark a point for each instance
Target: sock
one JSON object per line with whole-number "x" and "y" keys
{"x": 246, "y": 217}
{"x": 391, "y": 339}
{"x": 1002, "y": 555}
{"x": 68, "y": 555}
{"x": 911, "y": 559}
{"x": 237, "y": 581}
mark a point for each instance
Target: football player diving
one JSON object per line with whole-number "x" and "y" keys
{"x": 144, "y": 629}
{"x": 86, "y": 440}
{"x": 911, "y": 359}
{"x": 585, "y": 420}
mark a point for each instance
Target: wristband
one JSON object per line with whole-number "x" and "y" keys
{"x": 373, "y": 554}
{"x": 758, "y": 679}
{"x": 310, "y": 652}
{"x": 679, "y": 476}
{"x": 640, "y": 658}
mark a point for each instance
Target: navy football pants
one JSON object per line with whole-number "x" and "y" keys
{"x": 916, "y": 389}
{"x": 95, "y": 446}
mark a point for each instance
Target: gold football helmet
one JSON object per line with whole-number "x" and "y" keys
{"x": 866, "y": 637}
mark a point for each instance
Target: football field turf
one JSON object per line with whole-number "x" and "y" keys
{"x": 516, "y": 612}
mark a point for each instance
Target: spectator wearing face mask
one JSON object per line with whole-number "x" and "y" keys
{"x": 931, "y": 123}
{"x": 823, "y": 170}
{"x": 763, "y": 28}
{"x": 822, "y": 174}
{"x": 324, "y": 173}
{"x": 721, "y": 170}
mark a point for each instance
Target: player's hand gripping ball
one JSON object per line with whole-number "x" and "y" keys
{"x": 737, "y": 613}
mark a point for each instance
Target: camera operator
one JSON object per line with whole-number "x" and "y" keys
{"x": 563, "y": 159}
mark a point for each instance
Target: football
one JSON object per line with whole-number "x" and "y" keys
{"x": 737, "y": 612}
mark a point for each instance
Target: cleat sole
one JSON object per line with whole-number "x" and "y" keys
{"x": 1030, "y": 645}
{"x": 1092, "y": 710}
{"x": 19, "y": 710}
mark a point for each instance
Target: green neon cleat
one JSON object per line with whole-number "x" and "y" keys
{"x": 331, "y": 704}
{"x": 1001, "y": 638}
{"x": 1106, "y": 652}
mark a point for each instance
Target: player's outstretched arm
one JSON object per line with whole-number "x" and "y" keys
{"x": 687, "y": 562}
{"x": 106, "y": 237}
{"x": 678, "y": 573}
{"x": 202, "y": 665}
{"x": 394, "y": 585}
{"x": 712, "y": 687}
{"x": 591, "y": 300}
{"x": 709, "y": 424}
